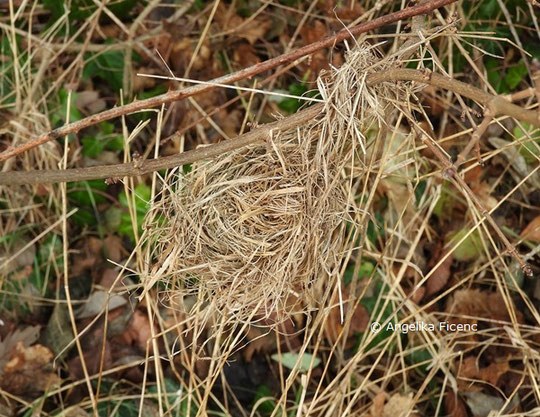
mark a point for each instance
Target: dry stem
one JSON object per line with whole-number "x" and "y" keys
{"x": 246, "y": 73}
{"x": 497, "y": 105}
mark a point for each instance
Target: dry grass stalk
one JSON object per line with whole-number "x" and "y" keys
{"x": 270, "y": 224}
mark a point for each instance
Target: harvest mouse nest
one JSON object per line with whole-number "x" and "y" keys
{"x": 257, "y": 230}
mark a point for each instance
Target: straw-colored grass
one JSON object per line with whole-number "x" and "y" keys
{"x": 269, "y": 222}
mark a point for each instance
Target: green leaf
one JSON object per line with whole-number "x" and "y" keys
{"x": 291, "y": 105}
{"x": 365, "y": 270}
{"x": 419, "y": 191}
{"x": 529, "y": 149}
{"x": 108, "y": 65}
{"x": 488, "y": 9}
{"x": 494, "y": 75}
{"x": 515, "y": 74}
{"x": 446, "y": 202}
{"x": 83, "y": 9}
{"x": 106, "y": 128}
{"x": 83, "y": 193}
{"x": 290, "y": 359}
{"x": 470, "y": 249}
{"x": 143, "y": 194}
{"x": 420, "y": 357}
{"x": 376, "y": 229}
{"x": 268, "y": 406}
{"x": 83, "y": 217}
{"x": 178, "y": 406}
{"x": 60, "y": 113}
{"x": 113, "y": 218}
{"x": 156, "y": 91}
{"x": 374, "y": 306}
{"x": 92, "y": 147}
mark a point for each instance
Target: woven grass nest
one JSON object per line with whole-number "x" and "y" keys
{"x": 260, "y": 230}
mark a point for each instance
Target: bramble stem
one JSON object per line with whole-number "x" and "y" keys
{"x": 245, "y": 73}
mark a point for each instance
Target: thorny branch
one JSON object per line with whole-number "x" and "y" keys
{"x": 496, "y": 105}
{"x": 246, "y": 73}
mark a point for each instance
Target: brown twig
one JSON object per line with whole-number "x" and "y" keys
{"x": 249, "y": 72}
{"x": 137, "y": 168}
{"x": 475, "y": 140}
{"x": 450, "y": 170}
{"x": 496, "y": 104}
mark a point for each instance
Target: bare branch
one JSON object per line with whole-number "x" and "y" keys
{"x": 497, "y": 105}
{"x": 249, "y": 72}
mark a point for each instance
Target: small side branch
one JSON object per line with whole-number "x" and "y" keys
{"x": 450, "y": 170}
{"x": 475, "y": 140}
{"x": 498, "y": 105}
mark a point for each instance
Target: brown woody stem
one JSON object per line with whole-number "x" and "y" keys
{"x": 451, "y": 170}
{"x": 249, "y": 72}
{"x": 496, "y": 105}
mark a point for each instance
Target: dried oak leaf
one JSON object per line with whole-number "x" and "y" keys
{"x": 399, "y": 406}
{"x": 319, "y": 59}
{"x": 28, "y": 370}
{"x": 254, "y": 30}
{"x": 245, "y": 56}
{"x": 377, "y": 405}
{"x": 481, "y": 304}
{"x": 139, "y": 331}
{"x": 26, "y": 336}
{"x": 114, "y": 248}
{"x": 249, "y": 29}
{"x": 263, "y": 340}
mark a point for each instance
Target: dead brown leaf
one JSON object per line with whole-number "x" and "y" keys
{"x": 244, "y": 55}
{"x": 259, "y": 343}
{"x": 483, "y": 192}
{"x": 139, "y": 332}
{"x": 490, "y": 374}
{"x": 433, "y": 103}
{"x": 532, "y": 231}
{"x": 250, "y": 29}
{"x": 439, "y": 278}
{"x": 377, "y": 405}
{"x": 26, "y": 336}
{"x": 399, "y": 406}
{"x": 89, "y": 255}
{"x": 139, "y": 83}
{"x": 89, "y": 102}
{"x": 357, "y": 323}
{"x": 264, "y": 341}
{"x": 109, "y": 279}
{"x": 318, "y": 60}
{"x": 348, "y": 13}
{"x": 481, "y": 304}
{"x": 454, "y": 405}
{"x": 114, "y": 248}
{"x": 28, "y": 371}
{"x": 160, "y": 42}
{"x": 254, "y": 30}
